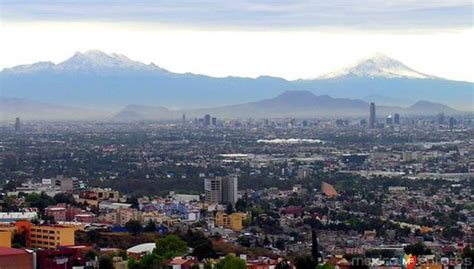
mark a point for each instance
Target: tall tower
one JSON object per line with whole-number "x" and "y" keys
{"x": 213, "y": 190}
{"x": 221, "y": 190}
{"x": 396, "y": 118}
{"x": 207, "y": 120}
{"x": 372, "y": 116}
{"x": 17, "y": 124}
{"x": 229, "y": 190}
{"x": 183, "y": 119}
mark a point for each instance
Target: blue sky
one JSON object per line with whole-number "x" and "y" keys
{"x": 291, "y": 39}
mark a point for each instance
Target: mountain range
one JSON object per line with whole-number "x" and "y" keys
{"x": 107, "y": 83}
{"x": 295, "y": 104}
{"x": 95, "y": 78}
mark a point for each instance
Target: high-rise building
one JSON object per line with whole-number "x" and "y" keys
{"x": 389, "y": 120}
{"x": 396, "y": 118}
{"x": 372, "y": 115}
{"x": 229, "y": 190}
{"x": 183, "y": 119}
{"x": 213, "y": 190}
{"x": 452, "y": 122}
{"x": 221, "y": 190}
{"x": 17, "y": 124}
{"x": 207, "y": 120}
{"x": 214, "y": 121}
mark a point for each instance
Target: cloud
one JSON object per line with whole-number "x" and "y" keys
{"x": 248, "y": 14}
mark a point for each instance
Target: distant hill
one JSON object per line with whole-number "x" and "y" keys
{"x": 137, "y": 112}
{"x": 295, "y": 104}
{"x": 95, "y": 78}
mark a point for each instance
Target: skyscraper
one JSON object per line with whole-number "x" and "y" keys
{"x": 17, "y": 124}
{"x": 372, "y": 115}
{"x": 183, "y": 119}
{"x": 229, "y": 190}
{"x": 396, "y": 118}
{"x": 214, "y": 121}
{"x": 207, "y": 120}
{"x": 221, "y": 190}
{"x": 213, "y": 190}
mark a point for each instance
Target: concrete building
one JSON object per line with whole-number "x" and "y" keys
{"x": 229, "y": 190}
{"x": 213, "y": 190}
{"x": 207, "y": 120}
{"x": 121, "y": 216}
{"x": 372, "y": 116}
{"x": 17, "y": 124}
{"x": 50, "y": 237}
{"x": 221, "y": 190}
{"x": 233, "y": 221}
{"x": 396, "y": 118}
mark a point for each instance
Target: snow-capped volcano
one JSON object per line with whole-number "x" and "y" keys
{"x": 377, "y": 66}
{"x": 89, "y": 61}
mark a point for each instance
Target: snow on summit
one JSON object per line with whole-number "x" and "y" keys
{"x": 89, "y": 61}
{"x": 377, "y": 66}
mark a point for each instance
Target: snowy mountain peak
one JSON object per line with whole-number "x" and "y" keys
{"x": 96, "y": 59}
{"x": 377, "y": 66}
{"x": 90, "y": 61}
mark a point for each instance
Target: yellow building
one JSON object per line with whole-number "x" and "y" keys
{"x": 49, "y": 237}
{"x": 235, "y": 221}
{"x": 6, "y": 238}
{"x": 106, "y": 194}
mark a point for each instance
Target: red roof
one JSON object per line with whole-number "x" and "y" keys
{"x": 4, "y": 251}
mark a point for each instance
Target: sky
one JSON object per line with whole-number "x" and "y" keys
{"x": 287, "y": 38}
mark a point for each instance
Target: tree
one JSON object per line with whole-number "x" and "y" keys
{"x": 305, "y": 262}
{"x": 133, "y": 264}
{"x": 204, "y": 250}
{"x": 170, "y": 246}
{"x": 151, "y": 260}
{"x": 105, "y": 262}
{"x": 150, "y": 227}
{"x": 314, "y": 248}
{"x": 133, "y": 226}
{"x": 231, "y": 262}
{"x": 229, "y": 209}
{"x": 241, "y": 205}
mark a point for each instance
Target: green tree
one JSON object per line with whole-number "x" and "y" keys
{"x": 151, "y": 261}
{"x": 170, "y": 246}
{"x": 133, "y": 226}
{"x": 305, "y": 262}
{"x": 150, "y": 227}
{"x": 105, "y": 262}
{"x": 133, "y": 264}
{"x": 231, "y": 262}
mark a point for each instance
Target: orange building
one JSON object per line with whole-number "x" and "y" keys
{"x": 6, "y": 238}
{"x": 50, "y": 237}
{"x": 44, "y": 236}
